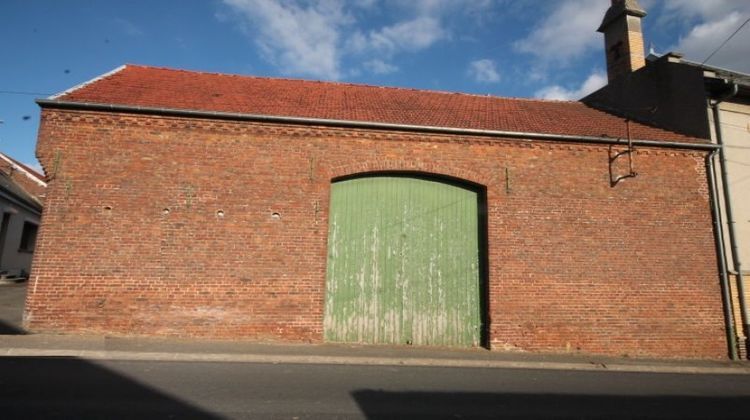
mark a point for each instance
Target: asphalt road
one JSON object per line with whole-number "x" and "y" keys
{"x": 73, "y": 388}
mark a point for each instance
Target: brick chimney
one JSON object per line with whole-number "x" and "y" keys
{"x": 623, "y": 39}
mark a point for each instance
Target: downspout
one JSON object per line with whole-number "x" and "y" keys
{"x": 728, "y": 211}
{"x": 722, "y": 260}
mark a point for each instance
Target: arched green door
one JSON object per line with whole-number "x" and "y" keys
{"x": 403, "y": 263}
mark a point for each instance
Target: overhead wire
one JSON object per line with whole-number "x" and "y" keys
{"x": 21, "y": 92}
{"x": 725, "y": 41}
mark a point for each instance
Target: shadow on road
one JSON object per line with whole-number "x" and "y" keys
{"x": 12, "y": 299}
{"x": 7, "y": 329}
{"x": 378, "y": 405}
{"x": 45, "y": 388}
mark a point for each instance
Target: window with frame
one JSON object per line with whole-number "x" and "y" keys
{"x": 28, "y": 237}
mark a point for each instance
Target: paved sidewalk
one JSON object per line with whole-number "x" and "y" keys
{"x": 153, "y": 349}
{"x": 15, "y": 342}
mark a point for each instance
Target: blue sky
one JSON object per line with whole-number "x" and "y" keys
{"x": 542, "y": 48}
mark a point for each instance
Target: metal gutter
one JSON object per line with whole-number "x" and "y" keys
{"x": 728, "y": 211}
{"x": 11, "y": 197}
{"x": 722, "y": 260}
{"x": 89, "y": 106}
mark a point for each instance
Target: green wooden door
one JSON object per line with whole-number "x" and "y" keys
{"x": 403, "y": 263}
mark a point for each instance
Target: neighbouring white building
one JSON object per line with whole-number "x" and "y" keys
{"x": 21, "y": 198}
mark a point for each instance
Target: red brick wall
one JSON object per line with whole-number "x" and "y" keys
{"x": 131, "y": 242}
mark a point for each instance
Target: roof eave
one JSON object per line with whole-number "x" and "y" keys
{"x": 89, "y": 106}
{"x": 31, "y": 202}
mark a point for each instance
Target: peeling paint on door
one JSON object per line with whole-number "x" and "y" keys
{"x": 403, "y": 263}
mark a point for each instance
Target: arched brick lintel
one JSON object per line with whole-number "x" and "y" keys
{"x": 361, "y": 168}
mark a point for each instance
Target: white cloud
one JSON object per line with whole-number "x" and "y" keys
{"x": 314, "y": 37}
{"x": 411, "y": 35}
{"x": 483, "y": 71}
{"x": 129, "y": 27}
{"x": 706, "y": 10}
{"x": 596, "y": 80}
{"x": 567, "y": 33}
{"x": 300, "y": 39}
{"x": 703, "y": 39}
{"x": 365, "y": 4}
{"x": 379, "y": 67}
{"x": 715, "y": 24}
{"x": 441, "y": 7}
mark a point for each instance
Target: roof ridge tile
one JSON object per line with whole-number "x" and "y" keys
{"x": 340, "y": 83}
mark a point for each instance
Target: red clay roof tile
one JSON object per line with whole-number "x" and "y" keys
{"x": 145, "y": 86}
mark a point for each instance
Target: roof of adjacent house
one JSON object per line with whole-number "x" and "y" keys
{"x": 163, "y": 88}
{"x": 31, "y": 173}
{"x": 10, "y": 186}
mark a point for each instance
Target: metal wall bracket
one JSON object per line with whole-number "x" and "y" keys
{"x": 614, "y": 178}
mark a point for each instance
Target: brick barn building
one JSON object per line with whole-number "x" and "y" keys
{"x": 208, "y": 205}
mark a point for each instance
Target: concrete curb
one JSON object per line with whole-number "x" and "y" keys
{"x": 368, "y": 361}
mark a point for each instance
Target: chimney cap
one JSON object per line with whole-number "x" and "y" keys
{"x": 620, "y": 7}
